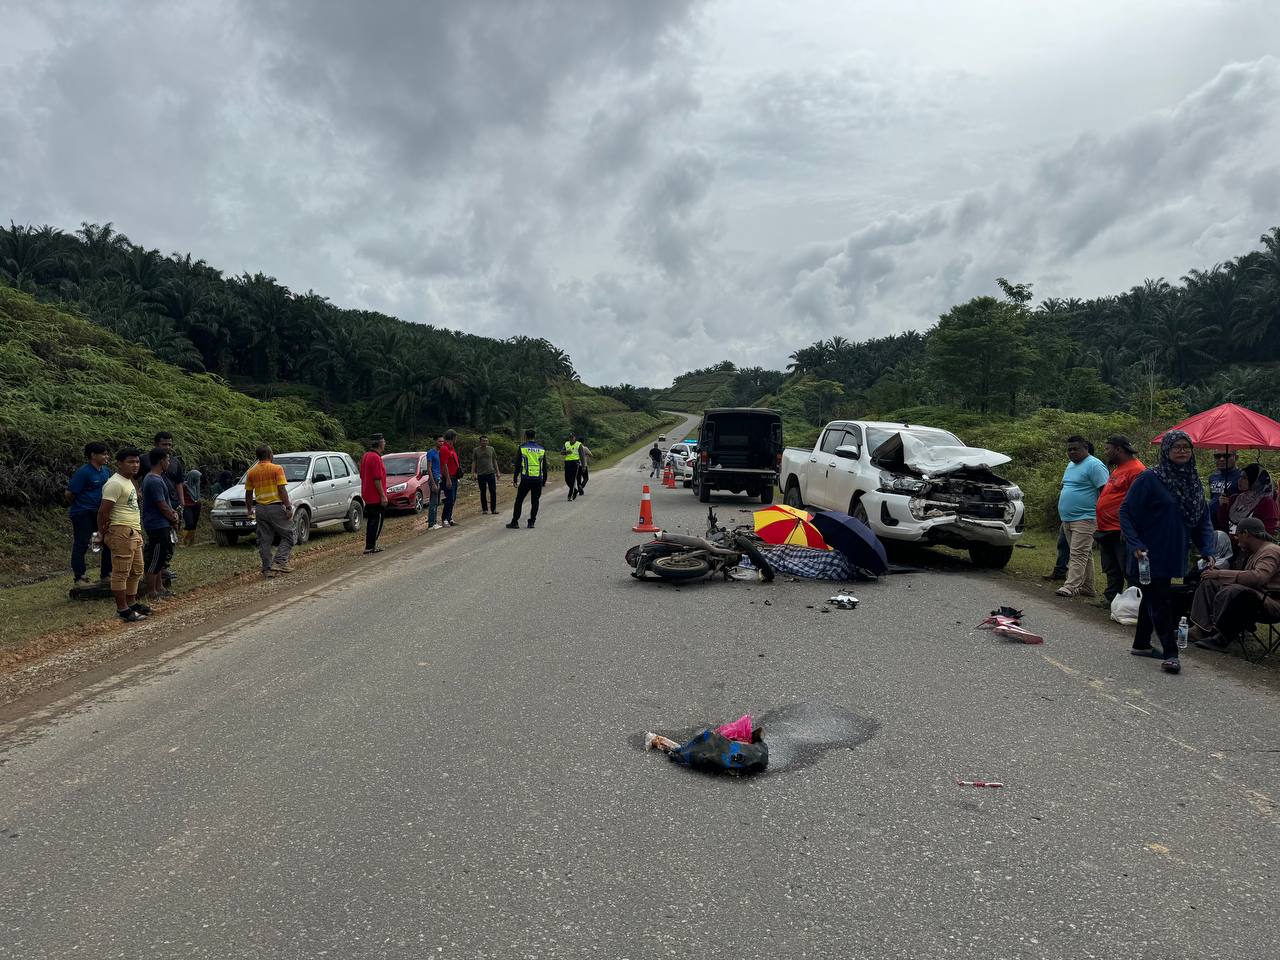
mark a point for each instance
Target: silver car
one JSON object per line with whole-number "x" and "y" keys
{"x": 324, "y": 486}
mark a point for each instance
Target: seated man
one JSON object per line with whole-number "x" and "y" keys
{"x": 1229, "y": 602}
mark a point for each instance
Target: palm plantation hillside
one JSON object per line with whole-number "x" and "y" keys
{"x": 370, "y": 370}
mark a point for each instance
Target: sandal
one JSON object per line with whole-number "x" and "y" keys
{"x": 1147, "y": 652}
{"x": 1171, "y": 665}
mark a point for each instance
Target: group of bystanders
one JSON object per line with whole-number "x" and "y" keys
{"x": 1144, "y": 522}
{"x": 132, "y": 517}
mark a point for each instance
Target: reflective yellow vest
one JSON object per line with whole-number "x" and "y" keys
{"x": 531, "y": 456}
{"x": 571, "y": 449}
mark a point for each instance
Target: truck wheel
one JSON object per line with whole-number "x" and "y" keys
{"x": 224, "y": 539}
{"x": 859, "y": 512}
{"x": 704, "y": 492}
{"x": 792, "y": 496}
{"x": 766, "y": 493}
{"x": 990, "y": 557}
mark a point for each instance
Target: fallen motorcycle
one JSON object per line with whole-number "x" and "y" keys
{"x": 670, "y": 556}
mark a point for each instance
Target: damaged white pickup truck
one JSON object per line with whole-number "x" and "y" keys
{"x": 909, "y": 483}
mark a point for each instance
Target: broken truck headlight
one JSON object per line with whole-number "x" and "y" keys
{"x": 891, "y": 483}
{"x": 1013, "y": 493}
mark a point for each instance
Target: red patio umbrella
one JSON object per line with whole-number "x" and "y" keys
{"x": 1230, "y": 425}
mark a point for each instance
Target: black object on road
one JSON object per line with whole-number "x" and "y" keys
{"x": 715, "y": 753}
{"x": 854, "y": 539}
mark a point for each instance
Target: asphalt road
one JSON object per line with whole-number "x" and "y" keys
{"x": 440, "y": 757}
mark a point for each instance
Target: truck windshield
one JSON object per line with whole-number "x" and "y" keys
{"x": 930, "y": 438}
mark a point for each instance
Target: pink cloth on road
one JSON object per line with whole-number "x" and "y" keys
{"x": 739, "y": 730}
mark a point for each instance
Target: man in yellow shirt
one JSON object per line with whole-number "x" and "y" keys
{"x": 120, "y": 526}
{"x": 265, "y": 489}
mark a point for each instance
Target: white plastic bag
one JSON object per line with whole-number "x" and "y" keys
{"x": 1124, "y": 608}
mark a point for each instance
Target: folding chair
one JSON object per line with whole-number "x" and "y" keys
{"x": 1265, "y": 635}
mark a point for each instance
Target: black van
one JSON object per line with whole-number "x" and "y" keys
{"x": 739, "y": 449}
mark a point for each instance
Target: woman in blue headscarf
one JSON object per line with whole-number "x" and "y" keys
{"x": 1164, "y": 509}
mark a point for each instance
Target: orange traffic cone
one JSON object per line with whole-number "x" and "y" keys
{"x": 669, "y": 477}
{"x": 646, "y": 524}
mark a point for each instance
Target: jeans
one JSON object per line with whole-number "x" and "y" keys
{"x": 583, "y": 475}
{"x": 83, "y": 525}
{"x": 433, "y": 505}
{"x": 272, "y": 523}
{"x": 373, "y": 515}
{"x": 450, "y": 495}
{"x": 488, "y": 491}
{"x": 1156, "y": 614}
{"x": 1080, "y": 566}
{"x": 1064, "y": 553}
{"x": 571, "y": 477}
{"x": 533, "y": 490}
{"x": 1114, "y": 554}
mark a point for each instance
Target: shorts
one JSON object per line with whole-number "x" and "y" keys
{"x": 159, "y": 549}
{"x": 125, "y": 544}
{"x": 190, "y": 517}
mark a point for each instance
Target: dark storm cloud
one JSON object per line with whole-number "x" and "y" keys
{"x": 426, "y": 79}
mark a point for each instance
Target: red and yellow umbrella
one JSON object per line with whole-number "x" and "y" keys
{"x": 783, "y": 524}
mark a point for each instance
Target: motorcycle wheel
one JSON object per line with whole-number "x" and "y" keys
{"x": 758, "y": 560}
{"x": 681, "y": 566}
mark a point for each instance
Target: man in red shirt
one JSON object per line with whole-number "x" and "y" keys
{"x": 373, "y": 487}
{"x": 450, "y": 471}
{"x": 1125, "y": 466}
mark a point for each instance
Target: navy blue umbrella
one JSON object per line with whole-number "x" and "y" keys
{"x": 854, "y": 539}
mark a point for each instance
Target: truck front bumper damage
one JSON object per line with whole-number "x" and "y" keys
{"x": 893, "y": 517}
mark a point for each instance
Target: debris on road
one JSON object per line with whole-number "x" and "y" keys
{"x": 844, "y": 601}
{"x": 1007, "y": 622}
{"x": 730, "y": 748}
{"x": 979, "y": 783}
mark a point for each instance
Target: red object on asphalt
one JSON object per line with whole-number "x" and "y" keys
{"x": 1230, "y": 425}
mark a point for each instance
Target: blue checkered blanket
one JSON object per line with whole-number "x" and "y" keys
{"x": 808, "y": 562}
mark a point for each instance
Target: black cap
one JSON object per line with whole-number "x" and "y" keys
{"x": 1121, "y": 441}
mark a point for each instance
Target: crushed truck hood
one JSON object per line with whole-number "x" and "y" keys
{"x": 903, "y": 451}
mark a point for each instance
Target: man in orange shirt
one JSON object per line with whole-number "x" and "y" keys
{"x": 265, "y": 489}
{"x": 1125, "y": 466}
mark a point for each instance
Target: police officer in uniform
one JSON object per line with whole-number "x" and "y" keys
{"x": 572, "y": 460}
{"x": 531, "y": 474}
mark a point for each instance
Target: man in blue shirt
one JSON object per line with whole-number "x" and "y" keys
{"x": 433, "y": 466}
{"x": 83, "y": 495}
{"x": 1082, "y": 481}
{"x": 159, "y": 523}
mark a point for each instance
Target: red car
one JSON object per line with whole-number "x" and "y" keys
{"x": 408, "y": 482}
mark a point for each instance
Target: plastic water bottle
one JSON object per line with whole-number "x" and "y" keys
{"x": 1144, "y": 571}
{"x": 95, "y": 542}
{"x": 1183, "y": 629}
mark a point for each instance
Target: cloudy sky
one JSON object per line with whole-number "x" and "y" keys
{"x": 654, "y": 185}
